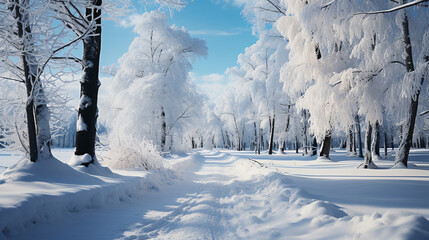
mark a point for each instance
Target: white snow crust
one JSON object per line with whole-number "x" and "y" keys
{"x": 218, "y": 195}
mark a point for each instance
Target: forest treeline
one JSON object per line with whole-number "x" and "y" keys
{"x": 321, "y": 74}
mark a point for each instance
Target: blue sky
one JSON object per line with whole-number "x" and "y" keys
{"x": 226, "y": 32}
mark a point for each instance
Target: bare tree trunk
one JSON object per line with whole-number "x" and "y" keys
{"x": 42, "y": 122}
{"x": 223, "y": 139}
{"x": 18, "y": 9}
{"x": 38, "y": 101}
{"x": 87, "y": 113}
{"x": 350, "y": 140}
{"x": 354, "y": 143}
{"x": 314, "y": 147}
{"x": 304, "y": 132}
{"x": 358, "y": 132}
{"x": 270, "y": 151}
{"x": 228, "y": 141}
{"x": 163, "y": 130}
{"x": 255, "y": 142}
{"x": 385, "y": 143}
{"x": 237, "y": 133}
{"x": 326, "y": 145}
{"x": 296, "y": 144}
{"x": 283, "y": 146}
{"x": 375, "y": 145}
{"x": 406, "y": 141}
{"x": 243, "y": 144}
{"x": 171, "y": 143}
{"x": 367, "y": 162}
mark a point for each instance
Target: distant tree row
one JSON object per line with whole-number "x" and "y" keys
{"x": 330, "y": 70}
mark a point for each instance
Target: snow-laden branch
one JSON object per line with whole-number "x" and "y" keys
{"x": 394, "y": 9}
{"x": 424, "y": 113}
{"x": 183, "y": 115}
{"x": 85, "y": 34}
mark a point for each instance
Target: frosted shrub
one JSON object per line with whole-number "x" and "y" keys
{"x": 134, "y": 156}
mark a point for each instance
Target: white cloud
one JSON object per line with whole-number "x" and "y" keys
{"x": 212, "y": 85}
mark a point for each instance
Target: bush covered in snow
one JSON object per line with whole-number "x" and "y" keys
{"x": 134, "y": 156}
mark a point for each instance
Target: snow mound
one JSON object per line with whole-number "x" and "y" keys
{"x": 186, "y": 164}
{"x": 46, "y": 170}
{"x": 371, "y": 166}
{"x": 323, "y": 159}
{"x": 49, "y": 189}
{"x": 80, "y": 160}
{"x": 401, "y": 165}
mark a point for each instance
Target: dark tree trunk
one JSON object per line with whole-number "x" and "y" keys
{"x": 354, "y": 142}
{"x": 223, "y": 139}
{"x": 314, "y": 147}
{"x": 270, "y": 151}
{"x": 375, "y": 145}
{"x": 163, "y": 129}
{"x": 326, "y": 145}
{"x": 296, "y": 144}
{"x": 255, "y": 142}
{"x": 24, "y": 34}
{"x": 87, "y": 113}
{"x": 283, "y": 147}
{"x": 385, "y": 143}
{"x": 228, "y": 141}
{"x": 368, "y": 156}
{"x": 213, "y": 143}
{"x": 350, "y": 140}
{"x": 31, "y": 125}
{"x": 304, "y": 132}
{"x": 243, "y": 144}
{"x": 406, "y": 141}
{"x": 260, "y": 141}
{"x": 358, "y": 132}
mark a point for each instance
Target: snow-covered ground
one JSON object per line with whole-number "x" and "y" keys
{"x": 218, "y": 195}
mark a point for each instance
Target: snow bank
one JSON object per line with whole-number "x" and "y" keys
{"x": 271, "y": 207}
{"x": 184, "y": 165}
{"x": 44, "y": 191}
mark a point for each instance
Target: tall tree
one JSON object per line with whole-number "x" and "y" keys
{"x": 30, "y": 33}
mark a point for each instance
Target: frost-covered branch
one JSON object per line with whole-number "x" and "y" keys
{"x": 13, "y": 79}
{"x": 85, "y": 34}
{"x": 394, "y": 9}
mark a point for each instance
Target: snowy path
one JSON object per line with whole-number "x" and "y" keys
{"x": 229, "y": 197}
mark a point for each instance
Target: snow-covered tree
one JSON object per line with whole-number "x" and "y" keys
{"x": 31, "y": 39}
{"x": 152, "y": 86}
{"x": 348, "y": 63}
